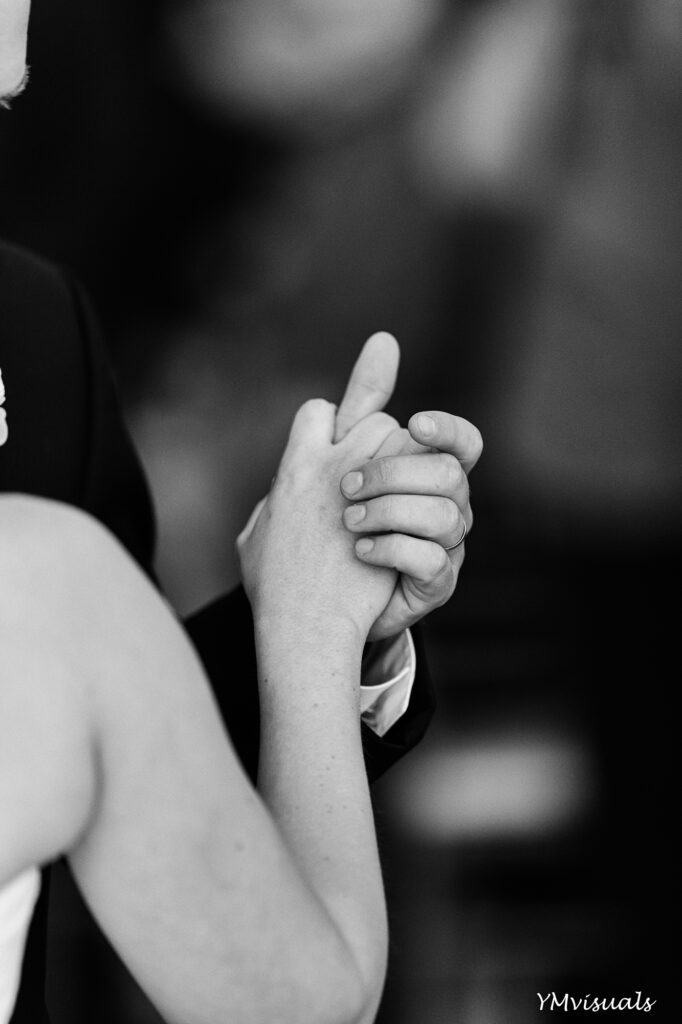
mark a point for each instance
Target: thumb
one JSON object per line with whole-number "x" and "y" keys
{"x": 370, "y": 384}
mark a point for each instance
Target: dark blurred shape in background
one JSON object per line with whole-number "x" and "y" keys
{"x": 248, "y": 189}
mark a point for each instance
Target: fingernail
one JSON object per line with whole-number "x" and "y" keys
{"x": 426, "y": 425}
{"x": 351, "y": 483}
{"x": 364, "y": 546}
{"x": 355, "y": 514}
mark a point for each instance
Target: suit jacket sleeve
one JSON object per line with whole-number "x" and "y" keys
{"x": 117, "y": 493}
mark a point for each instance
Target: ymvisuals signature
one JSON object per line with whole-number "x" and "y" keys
{"x": 566, "y": 1002}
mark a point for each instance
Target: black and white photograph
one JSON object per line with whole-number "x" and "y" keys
{"x": 340, "y": 510}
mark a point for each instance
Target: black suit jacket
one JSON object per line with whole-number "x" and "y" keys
{"x": 67, "y": 441}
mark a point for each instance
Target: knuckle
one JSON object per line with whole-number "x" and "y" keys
{"x": 308, "y": 419}
{"x": 313, "y": 406}
{"x": 449, "y": 515}
{"x": 446, "y": 588}
{"x": 304, "y": 414}
{"x": 452, "y": 472}
{"x": 387, "y": 508}
{"x": 441, "y": 562}
{"x": 386, "y": 551}
{"x": 393, "y": 548}
{"x": 463, "y": 493}
{"x": 384, "y": 471}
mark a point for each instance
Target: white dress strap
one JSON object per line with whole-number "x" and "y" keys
{"x": 17, "y": 900}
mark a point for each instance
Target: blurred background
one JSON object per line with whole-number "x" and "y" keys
{"x": 248, "y": 189}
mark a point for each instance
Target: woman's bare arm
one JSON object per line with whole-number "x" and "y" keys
{"x": 225, "y": 907}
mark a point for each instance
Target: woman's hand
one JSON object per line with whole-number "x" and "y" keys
{"x": 298, "y": 563}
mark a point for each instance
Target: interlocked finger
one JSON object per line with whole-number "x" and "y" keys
{"x": 423, "y": 561}
{"x": 438, "y": 474}
{"x": 427, "y": 516}
{"x": 448, "y": 433}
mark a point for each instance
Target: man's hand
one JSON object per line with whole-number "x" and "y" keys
{"x": 410, "y": 503}
{"x": 412, "y": 506}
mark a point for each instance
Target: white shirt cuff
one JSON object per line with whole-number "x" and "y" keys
{"x": 387, "y": 678}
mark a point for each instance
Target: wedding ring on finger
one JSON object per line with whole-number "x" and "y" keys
{"x": 460, "y": 540}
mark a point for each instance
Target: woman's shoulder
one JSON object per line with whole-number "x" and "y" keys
{"x": 47, "y": 766}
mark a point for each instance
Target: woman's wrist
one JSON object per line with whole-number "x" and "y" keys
{"x": 309, "y": 656}
{"x": 308, "y": 630}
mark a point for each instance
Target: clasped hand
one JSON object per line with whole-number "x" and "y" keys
{"x": 401, "y": 494}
